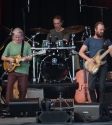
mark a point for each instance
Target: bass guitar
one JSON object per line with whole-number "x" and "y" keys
{"x": 11, "y": 66}
{"x": 93, "y": 68}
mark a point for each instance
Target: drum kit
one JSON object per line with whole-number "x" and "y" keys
{"x": 53, "y": 68}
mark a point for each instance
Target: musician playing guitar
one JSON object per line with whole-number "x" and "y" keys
{"x": 96, "y": 64}
{"x": 20, "y": 73}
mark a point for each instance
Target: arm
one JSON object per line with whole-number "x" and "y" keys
{"x": 110, "y": 47}
{"x": 83, "y": 55}
{"x": 4, "y": 58}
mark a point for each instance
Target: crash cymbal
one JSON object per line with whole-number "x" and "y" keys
{"x": 41, "y": 31}
{"x": 71, "y": 29}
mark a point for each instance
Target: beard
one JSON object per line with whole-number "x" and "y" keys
{"x": 100, "y": 35}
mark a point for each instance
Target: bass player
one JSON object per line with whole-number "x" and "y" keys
{"x": 94, "y": 45}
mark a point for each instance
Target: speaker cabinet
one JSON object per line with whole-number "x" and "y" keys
{"x": 24, "y": 107}
{"x": 54, "y": 117}
{"x": 91, "y": 112}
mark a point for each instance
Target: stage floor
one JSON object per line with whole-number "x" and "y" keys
{"x": 32, "y": 121}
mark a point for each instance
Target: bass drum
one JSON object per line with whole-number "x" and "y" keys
{"x": 54, "y": 68}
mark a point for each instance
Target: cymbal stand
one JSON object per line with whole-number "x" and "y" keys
{"x": 33, "y": 45}
{"x": 73, "y": 60}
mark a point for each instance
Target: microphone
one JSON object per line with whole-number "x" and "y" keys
{"x": 82, "y": 38}
{"x": 80, "y": 4}
{"x": 86, "y": 30}
{"x": 28, "y": 6}
{"x": 50, "y": 38}
{"x": 56, "y": 38}
{"x": 11, "y": 33}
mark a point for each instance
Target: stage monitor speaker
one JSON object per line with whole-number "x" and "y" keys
{"x": 54, "y": 117}
{"x": 91, "y": 112}
{"x": 24, "y": 107}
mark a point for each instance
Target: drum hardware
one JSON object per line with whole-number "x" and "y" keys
{"x": 54, "y": 48}
{"x": 37, "y": 43}
{"x": 73, "y": 61}
{"x": 33, "y": 44}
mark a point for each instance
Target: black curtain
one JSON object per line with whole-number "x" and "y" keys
{"x": 15, "y": 14}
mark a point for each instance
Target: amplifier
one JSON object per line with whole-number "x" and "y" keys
{"x": 64, "y": 103}
{"x": 24, "y": 107}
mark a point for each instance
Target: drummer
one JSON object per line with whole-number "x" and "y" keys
{"x": 56, "y": 34}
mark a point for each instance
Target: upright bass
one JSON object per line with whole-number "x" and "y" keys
{"x": 82, "y": 93}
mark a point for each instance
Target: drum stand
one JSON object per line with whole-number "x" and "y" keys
{"x": 73, "y": 61}
{"x": 33, "y": 45}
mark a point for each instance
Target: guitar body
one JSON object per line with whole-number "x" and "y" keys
{"x": 93, "y": 68}
{"x": 11, "y": 66}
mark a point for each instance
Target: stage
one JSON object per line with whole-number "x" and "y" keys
{"x": 51, "y": 94}
{"x": 32, "y": 121}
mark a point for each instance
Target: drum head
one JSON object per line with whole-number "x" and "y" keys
{"x": 53, "y": 68}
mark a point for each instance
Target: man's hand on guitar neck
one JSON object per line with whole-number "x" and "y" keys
{"x": 23, "y": 59}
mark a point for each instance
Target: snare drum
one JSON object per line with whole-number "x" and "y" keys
{"x": 53, "y": 68}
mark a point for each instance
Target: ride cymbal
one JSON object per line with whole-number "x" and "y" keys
{"x": 41, "y": 31}
{"x": 73, "y": 29}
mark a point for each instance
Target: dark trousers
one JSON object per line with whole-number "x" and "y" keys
{"x": 99, "y": 77}
{"x": 22, "y": 85}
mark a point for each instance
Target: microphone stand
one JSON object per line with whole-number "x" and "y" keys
{"x": 101, "y": 8}
{"x": 5, "y": 72}
{"x": 24, "y": 27}
{"x": 73, "y": 60}
{"x": 33, "y": 45}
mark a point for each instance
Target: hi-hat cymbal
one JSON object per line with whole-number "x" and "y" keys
{"x": 41, "y": 31}
{"x": 71, "y": 29}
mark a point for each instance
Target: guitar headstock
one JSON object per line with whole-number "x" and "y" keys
{"x": 41, "y": 52}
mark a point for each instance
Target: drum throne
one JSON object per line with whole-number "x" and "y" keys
{"x": 60, "y": 100}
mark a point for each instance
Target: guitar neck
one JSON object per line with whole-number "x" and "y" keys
{"x": 34, "y": 54}
{"x": 104, "y": 54}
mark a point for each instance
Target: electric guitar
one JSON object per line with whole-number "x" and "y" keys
{"x": 11, "y": 66}
{"x": 93, "y": 68}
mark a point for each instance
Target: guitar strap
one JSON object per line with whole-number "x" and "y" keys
{"x": 104, "y": 44}
{"x": 22, "y": 47}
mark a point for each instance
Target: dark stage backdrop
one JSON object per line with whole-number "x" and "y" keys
{"x": 14, "y": 13}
